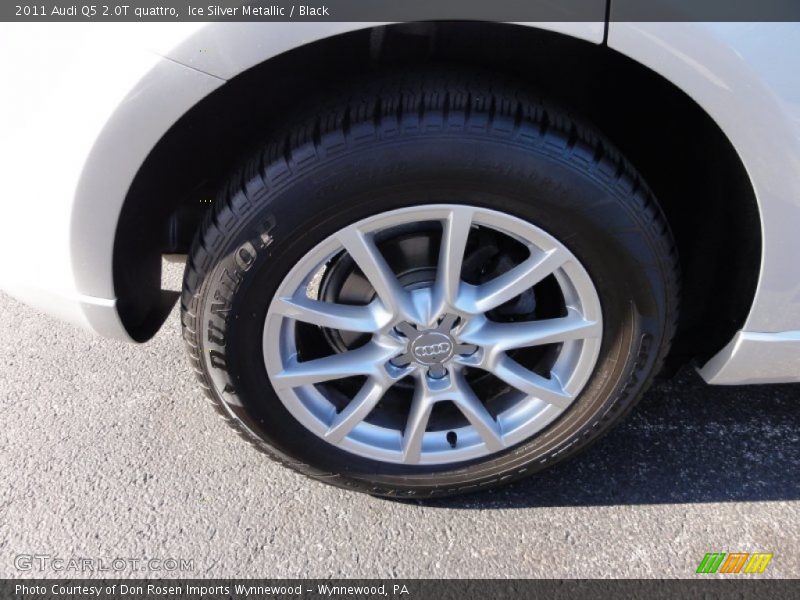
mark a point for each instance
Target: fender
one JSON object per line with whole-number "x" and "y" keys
{"x": 734, "y": 72}
{"x": 729, "y": 69}
{"x": 195, "y": 59}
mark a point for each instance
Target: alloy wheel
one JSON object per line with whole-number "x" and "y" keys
{"x": 411, "y": 384}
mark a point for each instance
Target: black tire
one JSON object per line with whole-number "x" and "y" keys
{"x": 417, "y": 139}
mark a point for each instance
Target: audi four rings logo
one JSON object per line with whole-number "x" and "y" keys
{"x": 432, "y": 350}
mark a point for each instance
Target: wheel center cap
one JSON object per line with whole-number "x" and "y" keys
{"x": 432, "y": 348}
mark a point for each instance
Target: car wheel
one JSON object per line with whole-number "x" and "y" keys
{"x": 429, "y": 285}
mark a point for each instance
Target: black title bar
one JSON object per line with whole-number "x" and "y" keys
{"x": 397, "y": 10}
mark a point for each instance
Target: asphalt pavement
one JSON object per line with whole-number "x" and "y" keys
{"x": 109, "y": 450}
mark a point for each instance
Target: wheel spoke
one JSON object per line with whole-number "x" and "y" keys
{"x": 512, "y": 283}
{"x": 530, "y": 383}
{"x": 356, "y": 411}
{"x": 451, "y": 253}
{"x": 477, "y": 414}
{"x": 417, "y": 421}
{"x": 506, "y": 336}
{"x": 362, "y": 361}
{"x": 328, "y": 314}
{"x": 368, "y": 257}
{"x": 447, "y": 323}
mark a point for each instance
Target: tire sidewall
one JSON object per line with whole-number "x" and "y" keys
{"x": 579, "y": 207}
{"x": 590, "y": 217}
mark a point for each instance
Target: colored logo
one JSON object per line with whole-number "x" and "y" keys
{"x": 734, "y": 562}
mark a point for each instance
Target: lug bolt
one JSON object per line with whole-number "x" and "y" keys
{"x": 437, "y": 371}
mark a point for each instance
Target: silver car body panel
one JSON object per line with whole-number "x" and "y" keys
{"x": 745, "y": 76}
{"x": 111, "y": 92}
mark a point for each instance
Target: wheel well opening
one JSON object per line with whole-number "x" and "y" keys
{"x": 682, "y": 154}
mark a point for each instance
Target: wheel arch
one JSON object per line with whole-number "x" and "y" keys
{"x": 172, "y": 188}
